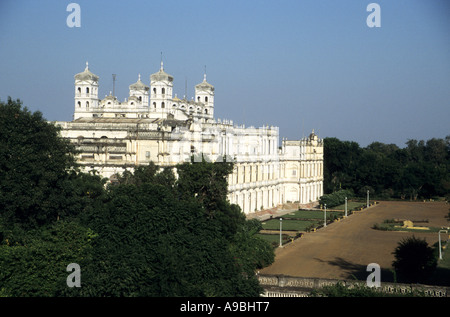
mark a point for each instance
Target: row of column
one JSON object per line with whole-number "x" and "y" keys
{"x": 311, "y": 169}
{"x": 255, "y": 200}
{"x": 269, "y": 197}
{"x": 310, "y": 192}
{"x": 248, "y": 173}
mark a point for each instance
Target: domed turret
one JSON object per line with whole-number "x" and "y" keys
{"x": 204, "y": 85}
{"x": 139, "y": 85}
{"x": 86, "y": 93}
{"x": 161, "y": 85}
{"x": 161, "y": 75}
{"x": 140, "y": 91}
{"x": 204, "y": 93}
{"x": 87, "y": 75}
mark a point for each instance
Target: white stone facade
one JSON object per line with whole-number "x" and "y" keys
{"x": 152, "y": 125}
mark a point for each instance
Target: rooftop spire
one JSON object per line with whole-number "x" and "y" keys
{"x": 204, "y": 75}
{"x": 162, "y": 66}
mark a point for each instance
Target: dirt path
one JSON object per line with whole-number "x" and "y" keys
{"x": 343, "y": 249}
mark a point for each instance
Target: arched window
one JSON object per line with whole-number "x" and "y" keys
{"x": 79, "y": 90}
{"x": 154, "y": 91}
{"x": 163, "y": 91}
{"x": 206, "y": 111}
{"x": 206, "y": 99}
{"x": 154, "y": 105}
{"x": 87, "y": 91}
{"x": 87, "y": 104}
{"x": 79, "y": 103}
{"x": 198, "y": 99}
{"x": 140, "y": 98}
{"x": 163, "y": 105}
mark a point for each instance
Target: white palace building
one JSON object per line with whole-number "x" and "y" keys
{"x": 153, "y": 125}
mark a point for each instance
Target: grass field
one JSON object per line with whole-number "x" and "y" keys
{"x": 351, "y": 205}
{"x": 274, "y": 239}
{"x": 298, "y": 221}
{"x": 291, "y": 225}
{"x": 312, "y": 214}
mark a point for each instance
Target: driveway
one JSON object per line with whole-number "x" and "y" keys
{"x": 343, "y": 249}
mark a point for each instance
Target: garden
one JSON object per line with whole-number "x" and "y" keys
{"x": 299, "y": 222}
{"x": 404, "y": 225}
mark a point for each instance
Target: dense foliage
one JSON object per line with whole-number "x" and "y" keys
{"x": 415, "y": 260}
{"x": 150, "y": 233}
{"x": 420, "y": 170}
{"x": 336, "y": 198}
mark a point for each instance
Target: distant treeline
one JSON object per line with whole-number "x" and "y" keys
{"x": 421, "y": 170}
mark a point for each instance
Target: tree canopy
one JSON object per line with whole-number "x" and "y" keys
{"x": 421, "y": 169}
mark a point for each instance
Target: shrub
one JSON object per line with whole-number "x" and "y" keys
{"x": 335, "y": 199}
{"x": 414, "y": 260}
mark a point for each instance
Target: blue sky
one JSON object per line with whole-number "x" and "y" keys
{"x": 296, "y": 64}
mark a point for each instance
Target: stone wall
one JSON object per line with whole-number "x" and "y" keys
{"x": 289, "y": 286}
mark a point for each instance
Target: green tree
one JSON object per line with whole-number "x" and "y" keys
{"x": 421, "y": 169}
{"x": 414, "y": 260}
{"x": 170, "y": 239}
{"x": 341, "y": 160}
{"x": 38, "y": 174}
{"x": 206, "y": 181}
{"x": 336, "y": 198}
{"x": 42, "y": 194}
{"x": 152, "y": 244}
{"x": 250, "y": 251}
{"x": 35, "y": 264}
{"x": 149, "y": 234}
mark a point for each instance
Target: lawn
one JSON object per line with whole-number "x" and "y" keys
{"x": 274, "y": 239}
{"x": 351, "y": 205}
{"x": 312, "y": 214}
{"x": 291, "y": 225}
{"x": 298, "y": 221}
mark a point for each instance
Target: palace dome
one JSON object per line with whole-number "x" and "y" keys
{"x": 139, "y": 85}
{"x": 86, "y": 75}
{"x": 204, "y": 85}
{"x": 161, "y": 75}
